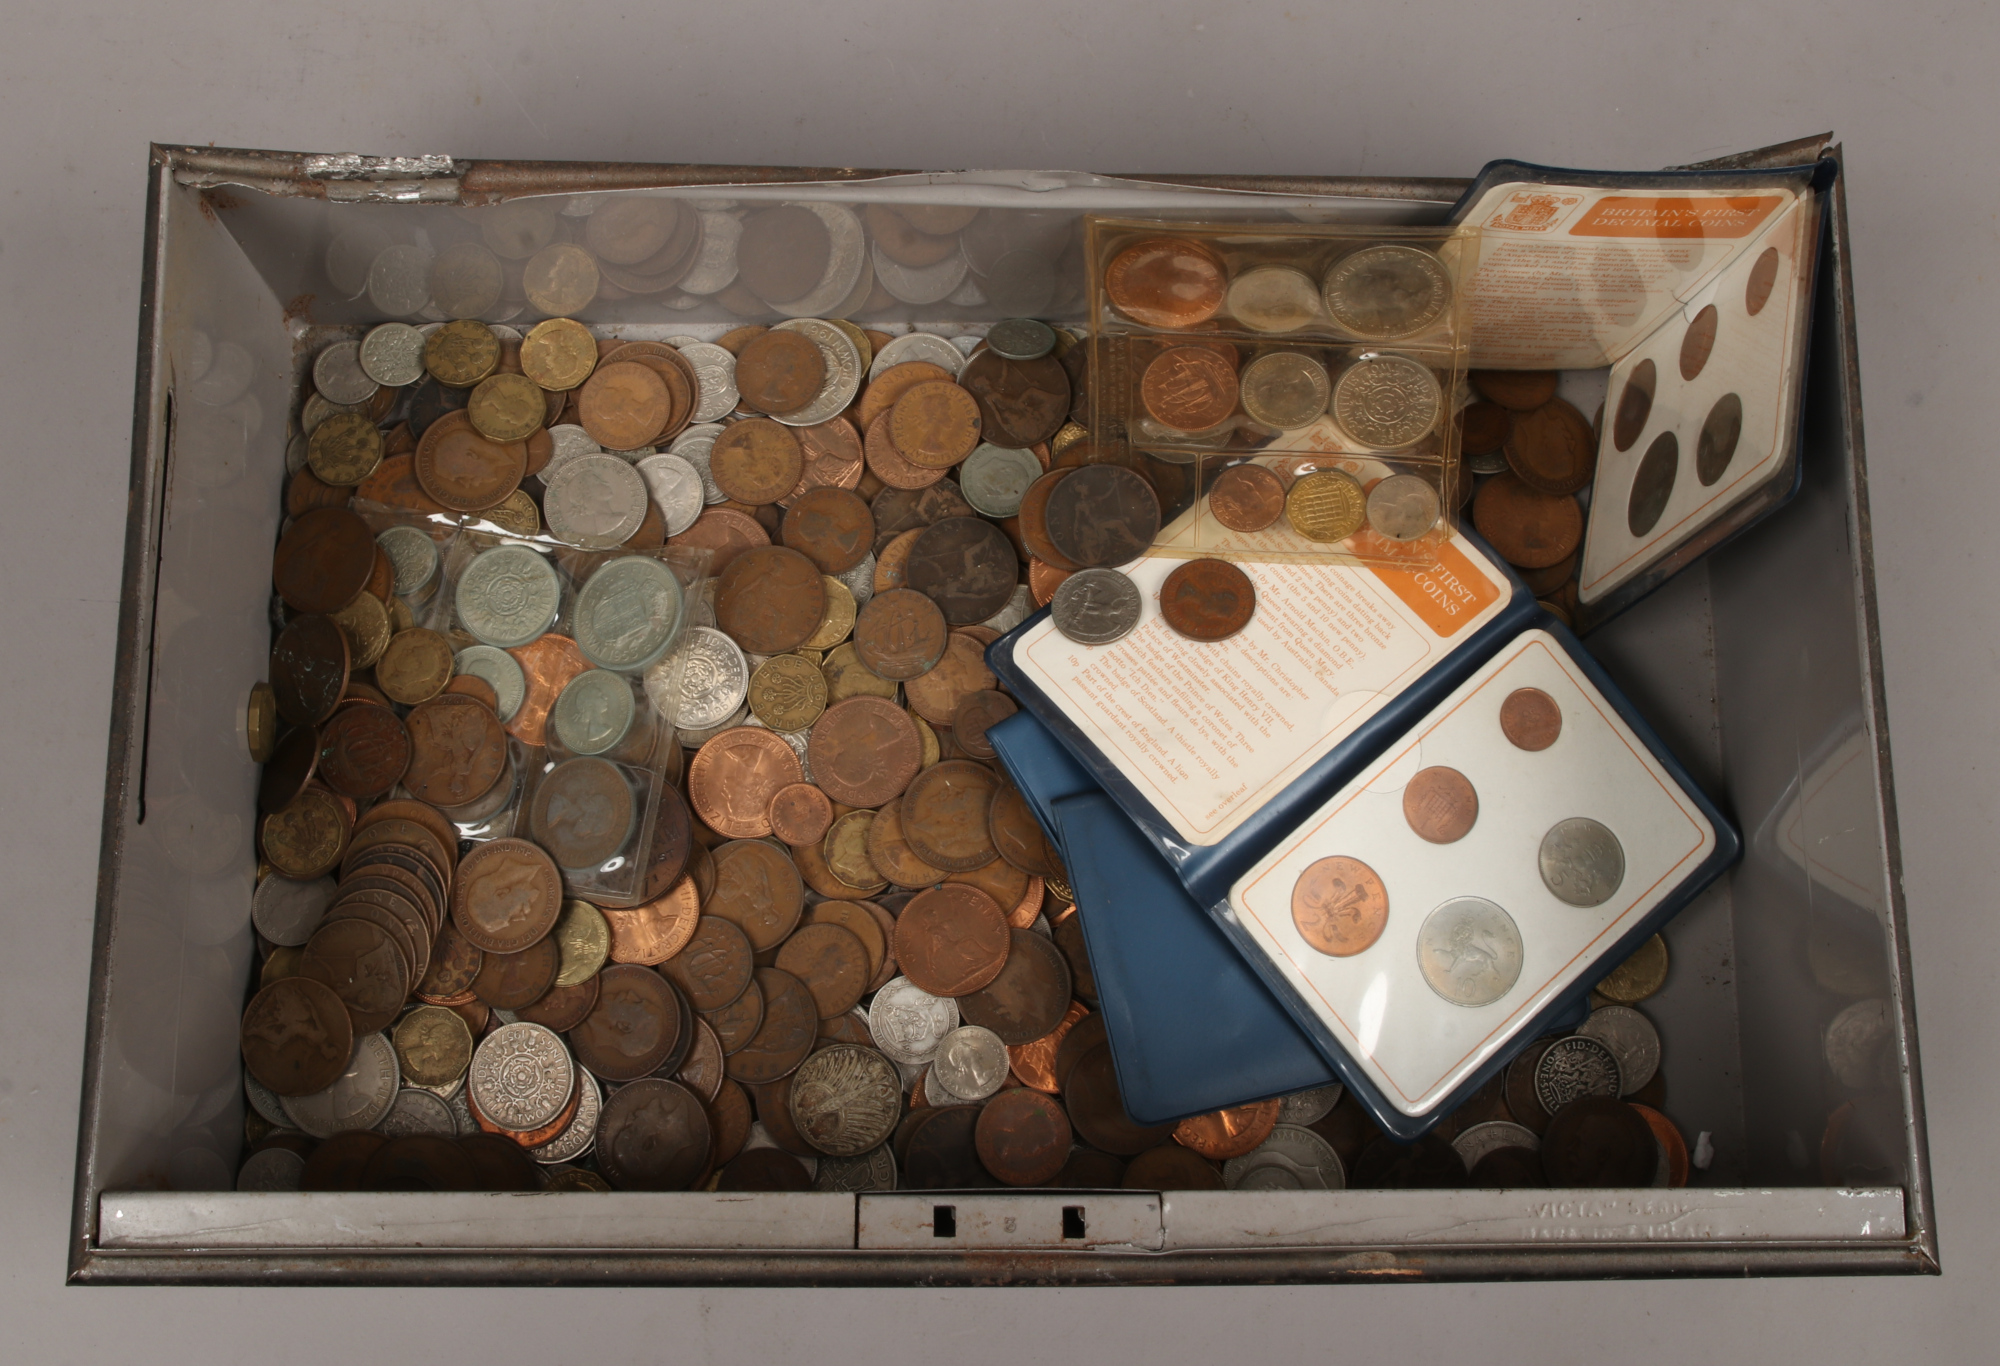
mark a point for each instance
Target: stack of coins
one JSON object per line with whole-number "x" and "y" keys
{"x": 1532, "y": 453}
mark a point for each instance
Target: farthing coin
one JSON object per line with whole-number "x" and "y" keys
{"x": 1480, "y": 1139}
{"x": 393, "y": 354}
{"x": 508, "y": 596}
{"x": 971, "y": 1062}
{"x": 994, "y": 478}
{"x": 1387, "y": 291}
{"x": 1403, "y": 507}
{"x": 338, "y": 375}
{"x": 1291, "y": 1159}
{"x": 593, "y": 712}
{"x": 924, "y": 346}
{"x": 715, "y": 372}
{"x": 629, "y": 613}
{"x": 1632, "y": 1040}
{"x": 579, "y": 1136}
{"x": 1302, "y": 1108}
{"x": 595, "y": 501}
{"x": 908, "y": 1023}
{"x": 287, "y": 912}
{"x": 1387, "y": 401}
{"x": 417, "y": 1111}
{"x": 358, "y": 1099}
{"x": 1582, "y": 862}
{"x": 1469, "y": 951}
{"x": 714, "y": 679}
{"x": 846, "y": 1099}
{"x": 1096, "y": 606}
{"x": 413, "y": 558}
{"x": 521, "y": 1077}
{"x": 497, "y": 667}
{"x": 874, "y": 1170}
{"x": 1573, "y": 1068}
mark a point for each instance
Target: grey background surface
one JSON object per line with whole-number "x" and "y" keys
{"x": 1171, "y": 86}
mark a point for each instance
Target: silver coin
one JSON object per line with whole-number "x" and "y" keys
{"x": 938, "y": 1094}
{"x": 1575, "y": 1067}
{"x": 629, "y": 613}
{"x": 338, "y": 375}
{"x": 521, "y": 1077}
{"x": 1859, "y": 1045}
{"x": 593, "y": 712}
{"x": 860, "y": 580}
{"x": 508, "y": 596}
{"x": 846, "y": 1099}
{"x": 924, "y": 346}
{"x": 349, "y": 255}
{"x": 266, "y": 1102}
{"x": 1387, "y": 291}
{"x": 695, "y": 739}
{"x": 295, "y": 453}
{"x": 713, "y": 680}
{"x": 1632, "y": 1040}
{"x": 1403, "y": 507}
{"x": 847, "y": 255}
{"x": 595, "y": 501}
{"x": 715, "y": 371}
{"x": 358, "y": 1098}
{"x": 417, "y": 1111}
{"x": 971, "y": 1062}
{"x": 466, "y": 280}
{"x": 287, "y": 912}
{"x": 1021, "y": 339}
{"x": 1387, "y": 401}
{"x": 918, "y": 285}
{"x": 570, "y": 441}
{"x": 843, "y": 372}
{"x": 1469, "y": 951}
{"x": 1302, "y": 1108}
{"x": 461, "y": 1111}
{"x": 579, "y": 1136}
{"x": 696, "y": 452}
{"x": 273, "y": 1169}
{"x": 714, "y": 265}
{"x": 908, "y": 1023}
{"x": 393, "y": 354}
{"x": 412, "y": 555}
{"x": 1582, "y": 862}
{"x": 874, "y": 1170}
{"x": 1285, "y": 389}
{"x": 1491, "y": 463}
{"x": 1291, "y": 1159}
{"x": 1272, "y": 299}
{"x": 1096, "y": 606}
{"x": 399, "y": 280}
{"x": 497, "y": 667}
{"x": 1490, "y": 1137}
{"x": 634, "y": 456}
{"x": 994, "y": 478}
{"x": 676, "y": 490}
{"x": 1018, "y": 609}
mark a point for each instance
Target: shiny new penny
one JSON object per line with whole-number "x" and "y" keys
{"x": 975, "y": 713}
{"x": 1340, "y": 906}
{"x": 655, "y": 930}
{"x": 1102, "y": 515}
{"x": 1552, "y": 448}
{"x": 297, "y": 1036}
{"x": 1207, "y": 600}
{"x": 952, "y": 940}
{"x": 1223, "y": 1134}
{"x": 945, "y": 815}
{"x": 1530, "y": 719}
{"x": 1029, "y": 997}
{"x": 1440, "y": 805}
{"x": 1520, "y": 391}
{"x": 323, "y": 560}
{"x": 967, "y": 566}
{"x": 758, "y": 889}
{"x": 832, "y": 527}
{"x": 634, "y": 1029}
{"x": 1034, "y": 1063}
{"x": 457, "y": 751}
{"x": 935, "y": 424}
{"x": 770, "y": 600}
{"x": 785, "y": 1038}
{"x": 1247, "y": 498}
{"x": 734, "y": 776}
{"x": 831, "y": 962}
{"x": 1161, "y": 282}
{"x": 1189, "y": 388}
{"x": 756, "y": 461}
{"x": 715, "y": 967}
{"x": 800, "y": 814}
{"x": 623, "y": 405}
{"x": 780, "y": 372}
{"x": 464, "y": 469}
{"x": 582, "y": 812}
{"x": 1527, "y": 527}
{"x": 1023, "y": 1137}
{"x": 864, "y": 751}
{"x": 506, "y": 896}
{"x": 900, "y": 634}
{"x": 1021, "y": 402}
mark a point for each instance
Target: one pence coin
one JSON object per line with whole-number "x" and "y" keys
{"x": 323, "y": 561}
{"x": 1520, "y": 391}
{"x": 758, "y": 889}
{"x": 309, "y": 668}
{"x": 1530, "y": 719}
{"x": 967, "y": 566}
{"x": 770, "y": 600}
{"x": 1598, "y": 1141}
{"x": 864, "y": 751}
{"x": 952, "y": 940}
{"x": 830, "y": 526}
{"x": 363, "y": 751}
{"x": 1029, "y": 998}
{"x": 831, "y": 962}
{"x": 1023, "y": 1137}
{"x": 623, "y": 405}
{"x": 1340, "y": 906}
{"x": 635, "y": 1027}
{"x": 1102, "y": 515}
{"x": 465, "y": 470}
{"x": 1162, "y": 282}
{"x": 800, "y": 814}
{"x": 457, "y": 751}
{"x": 1223, "y": 1134}
{"x": 1551, "y": 449}
{"x": 1021, "y": 402}
{"x": 297, "y": 1036}
{"x": 945, "y": 815}
{"x": 1247, "y": 498}
{"x": 583, "y": 812}
{"x": 714, "y": 970}
{"x": 361, "y": 963}
{"x": 734, "y": 776}
{"x": 506, "y": 896}
{"x": 654, "y": 930}
{"x": 1440, "y": 805}
{"x": 974, "y": 715}
{"x": 780, "y": 372}
{"x": 785, "y": 1038}
{"x": 1207, "y": 600}
{"x": 1098, "y": 1111}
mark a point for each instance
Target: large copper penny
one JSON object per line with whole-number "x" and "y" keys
{"x": 1247, "y": 498}
{"x": 1599, "y": 1142}
{"x": 1520, "y": 391}
{"x": 457, "y": 751}
{"x": 859, "y": 918}
{"x": 417, "y": 1162}
{"x": 1033, "y": 522}
{"x": 1189, "y": 388}
{"x": 831, "y": 962}
{"x": 780, "y": 372}
{"x": 623, "y": 405}
{"x": 893, "y": 383}
{"x": 1482, "y": 428}
{"x": 1527, "y": 527}
{"x": 1340, "y": 906}
{"x": 509, "y": 981}
{"x": 561, "y": 1008}
{"x": 888, "y": 464}
{"x": 952, "y": 940}
{"x": 974, "y": 714}
{"x": 309, "y": 666}
{"x": 498, "y": 1163}
{"x": 323, "y": 560}
{"x": 764, "y": 1169}
{"x": 455, "y": 963}
{"x": 833, "y": 459}
{"x": 1034, "y": 1063}
{"x": 1530, "y": 719}
{"x": 734, "y": 776}
{"x": 1020, "y": 402}
{"x": 1023, "y": 1137}
{"x": 738, "y": 1022}
{"x": 1103, "y": 515}
{"x": 1098, "y": 1111}
{"x": 943, "y": 1152}
{"x": 758, "y": 889}
{"x": 1029, "y": 997}
{"x": 714, "y": 969}
{"x": 422, "y": 813}
{"x": 655, "y": 930}
{"x": 634, "y": 1028}
{"x": 1161, "y": 282}
{"x": 1440, "y": 805}
{"x": 770, "y": 600}
{"x": 1552, "y": 448}
{"x": 1012, "y": 890}
{"x": 297, "y": 1036}
{"x": 864, "y": 751}
{"x": 756, "y": 461}
{"x": 671, "y": 838}
{"x": 944, "y": 817}
{"x": 1171, "y": 1167}
{"x": 934, "y": 425}
{"x": 506, "y": 896}
{"x": 832, "y": 527}
{"x": 1223, "y": 1134}
{"x": 782, "y": 1041}
{"x": 725, "y": 533}
{"x": 1208, "y": 600}
{"x": 363, "y": 751}
{"x": 1017, "y": 835}
{"x": 653, "y": 1135}
{"x": 360, "y": 961}
{"x": 891, "y": 853}
{"x": 1086, "y": 1034}
{"x": 967, "y": 566}
{"x": 899, "y": 510}
{"x": 465, "y": 470}
{"x": 582, "y": 813}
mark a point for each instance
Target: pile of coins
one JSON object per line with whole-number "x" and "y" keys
{"x": 1531, "y": 453}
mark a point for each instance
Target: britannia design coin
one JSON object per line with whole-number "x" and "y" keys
{"x": 1387, "y": 401}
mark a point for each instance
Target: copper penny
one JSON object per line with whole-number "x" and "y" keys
{"x": 582, "y": 812}
{"x": 883, "y": 391}
{"x": 655, "y": 930}
{"x": 738, "y": 1022}
{"x": 653, "y": 1135}
{"x": 773, "y": 1102}
{"x": 1086, "y": 1035}
{"x": 785, "y": 1038}
{"x": 1223, "y": 1134}
{"x": 1034, "y": 1063}
{"x": 1017, "y": 835}
{"x": 952, "y": 940}
{"x": 1530, "y": 719}
{"x": 1021, "y": 402}
{"x": 780, "y": 372}
{"x": 888, "y": 464}
{"x": 1483, "y": 428}
{"x": 714, "y": 969}
{"x": 864, "y": 751}
{"x": 1698, "y": 342}
{"x": 361, "y": 963}
{"x": 1340, "y": 906}
{"x": 891, "y": 853}
{"x": 900, "y": 510}
{"x": 1552, "y": 448}
{"x": 547, "y": 664}
{"x": 831, "y": 962}
{"x": 623, "y": 405}
{"x": 509, "y": 981}
{"x": 1102, "y": 515}
{"x": 1029, "y": 997}
{"x": 1023, "y": 1137}
{"x": 770, "y": 600}
{"x": 672, "y": 837}
{"x": 756, "y": 461}
{"x": 764, "y": 1169}
{"x": 1670, "y": 1141}
{"x": 1098, "y": 1111}
{"x": 1171, "y": 1167}
{"x": 729, "y": 1115}
{"x": 902, "y": 242}
{"x": 865, "y": 921}
{"x": 944, "y": 816}
{"x": 1247, "y": 498}
{"x": 1208, "y": 600}
{"x": 634, "y": 1028}
{"x": 967, "y": 566}
{"x": 309, "y": 668}
{"x": 1527, "y": 527}
{"x": 1595, "y": 1141}
{"x": 943, "y": 1154}
{"x": 341, "y": 1162}
{"x": 562, "y": 1008}
{"x": 1161, "y": 282}
{"x": 297, "y": 1036}
{"x": 323, "y": 560}
{"x": 464, "y": 470}
{"x": 506, "y": 896}
{"x": 395, "y": 484}
{"x": 829, "y": 526}
{"x": 758, "y": 889}
{"x": 306, "y": 491}
{"x": 1440, "y": 805}
{"x": 833, "y": 458}
{"x": 457, "y": 751}
{"x": 975, "y": 712}
{"x": 363, "y": 751}
{"x": 800, "y": 814}
{"x": 1520, "y": 391}
{"x": 1189, "y": 388}
{"x": 455, "y": 962}
{"x": 498, "y": 1163}
{"x": 734, "y": 776}
{"x": 726, "y": 533}
{"x": 701, "y": 1070}
{"x": 935, "y": 424}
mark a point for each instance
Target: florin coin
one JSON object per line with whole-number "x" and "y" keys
{"x": 522, "y": 1077}
{"x": 1582, "y": 862}
{"x": 629, "y": 613}
{"x": 1403, "y": 507}
{"x": 508, "y": 596}
{"x": 714, "y": 680}
{"x": 1387, "y": 401}
{"x": 1469, "y": 951}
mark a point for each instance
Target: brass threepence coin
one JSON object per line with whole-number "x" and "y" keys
{"x": 1326, "y": 506}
